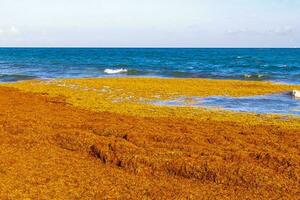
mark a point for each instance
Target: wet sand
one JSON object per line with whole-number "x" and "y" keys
{"x": 64, "y": 140}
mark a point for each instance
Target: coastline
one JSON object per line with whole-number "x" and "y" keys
{"x": 131, "y": 95}
{"x": 85, "y": 135}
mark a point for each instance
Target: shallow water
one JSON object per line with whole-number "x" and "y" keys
{"x": 279, "y": 65}
{"x": 282, "y": 103}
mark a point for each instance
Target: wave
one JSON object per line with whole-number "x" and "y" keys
{"x": 15, "y": 77}
{"x": 115, "y": 71}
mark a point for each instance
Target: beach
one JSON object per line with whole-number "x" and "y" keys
{"x": 105, "y": 138}
{"x": 149, "y": 100}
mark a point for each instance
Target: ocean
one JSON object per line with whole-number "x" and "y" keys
{"x": 278, "y": 65}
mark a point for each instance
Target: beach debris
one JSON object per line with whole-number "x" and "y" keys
{"x": 296, "y": 93}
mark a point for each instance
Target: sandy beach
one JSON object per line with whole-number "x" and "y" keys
{"x": 101, "y": 138}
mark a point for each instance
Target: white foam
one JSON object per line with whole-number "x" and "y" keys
{"x": 253, "y": 75}
{"x": 115, "y": 71}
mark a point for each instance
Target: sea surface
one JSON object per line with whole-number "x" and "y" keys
{"x": 278, "y": 103}
{"x": 278, "y": 65}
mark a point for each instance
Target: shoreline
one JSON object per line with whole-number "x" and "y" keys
{"x": 123, "y": 76}
{"x": 129, "y": 95}
{"x": 63, "y": 139}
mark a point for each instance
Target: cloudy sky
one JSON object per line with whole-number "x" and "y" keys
{"x": 150, "y": 23}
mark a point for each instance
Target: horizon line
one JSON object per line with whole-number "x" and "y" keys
{"x": 147, "y": 47}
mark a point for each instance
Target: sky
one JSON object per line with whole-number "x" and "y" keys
{"x": 150, "y": 23}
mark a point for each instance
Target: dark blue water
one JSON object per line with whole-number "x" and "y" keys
{"x": 279, "y": 65}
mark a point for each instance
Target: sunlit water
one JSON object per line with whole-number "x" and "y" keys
{"x": 282, "y": 103}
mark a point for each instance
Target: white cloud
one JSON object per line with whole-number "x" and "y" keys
{"x": 9, "y": 30}
{"x": 279, "y": 30}
{"x": 286, "y": 30}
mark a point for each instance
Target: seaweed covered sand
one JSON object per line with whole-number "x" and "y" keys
{"x": 64, "y": 139}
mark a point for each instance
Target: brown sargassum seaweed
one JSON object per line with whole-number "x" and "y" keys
{"x": 53, "y": 149}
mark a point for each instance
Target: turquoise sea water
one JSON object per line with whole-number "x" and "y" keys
{"x": 279, "y": 65}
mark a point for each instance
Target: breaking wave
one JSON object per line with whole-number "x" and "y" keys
{"x": 115, "y": 71}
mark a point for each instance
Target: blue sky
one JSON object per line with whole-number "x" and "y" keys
{"x": 155, "y": 23}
